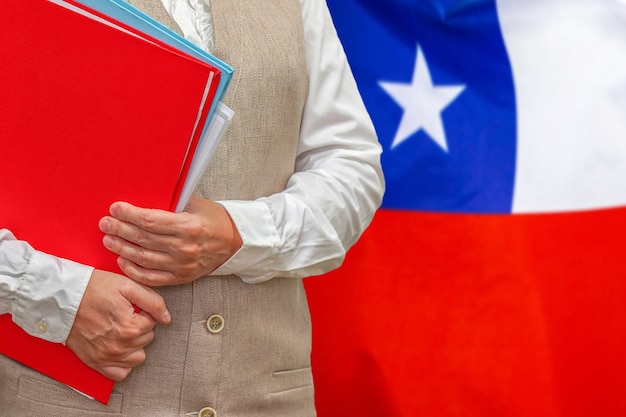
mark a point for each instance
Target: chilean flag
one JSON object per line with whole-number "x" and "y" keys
{"x": 492, "y": 283}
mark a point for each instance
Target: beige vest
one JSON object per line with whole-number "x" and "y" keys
{"x": 258, "y": 364}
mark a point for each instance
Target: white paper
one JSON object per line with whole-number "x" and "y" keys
{"x": 204, "y": 152}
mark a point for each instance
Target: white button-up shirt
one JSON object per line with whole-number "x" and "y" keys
{"x": 328, "y": 202}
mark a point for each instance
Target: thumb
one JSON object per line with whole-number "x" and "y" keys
{"x": 148, "y": 300}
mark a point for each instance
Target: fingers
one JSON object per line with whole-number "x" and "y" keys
{"x": 108, "y": 335}
{"x": 119, "y": 371}
{"x": 148, "y": 300}
{"x": 156, "y": 247}
{"x": 146, "y": 257}
{"x": 149, "y": 277}
{"x": 116, "y": 373}
{"x": 139, "y": 338}
{"x": 120, "y": 234}
{"x": 143, "y": 236}
{"x": 119, "y": 352}
{"x": 160, "y": 222}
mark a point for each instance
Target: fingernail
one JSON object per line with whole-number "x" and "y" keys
{"x": 108, "y": 241}
{"x": 104, "y": 225}
{"x": 114, "y": 210}
{"x": 167, "y": 316}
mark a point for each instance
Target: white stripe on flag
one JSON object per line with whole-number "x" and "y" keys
{"x": 569, "y": 68}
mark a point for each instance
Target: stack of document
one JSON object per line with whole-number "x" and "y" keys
{"x": 99, "y": 103}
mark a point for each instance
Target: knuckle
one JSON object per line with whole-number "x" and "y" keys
{"x": 187, "y": 271}
{"x": 159, "y": 301}
{"x": 122, "y": 373}
{"x": 147, "y": 219}
{"x": 99, "y": 356}
{"x": 143, "y": 257}
{"x": 192, "y": 226}
{"x": 129, "y": 332}
{"x": 116, "y": 374}
{"x": 190, "y": 250}
{"x": 139, "y": 235}
{"x": 149, "y": 279}
{"x": 141, "y": 357}
{"x": 126, "y": 286}
{"x": 114, "y": 351}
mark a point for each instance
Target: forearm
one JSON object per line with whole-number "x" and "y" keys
{"x": 305, "y": 230}
{"x": 338, "y": 184}
{"x": 40, "y": 291}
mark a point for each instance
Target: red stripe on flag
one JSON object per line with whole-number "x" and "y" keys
{"x": 475, "y": 315}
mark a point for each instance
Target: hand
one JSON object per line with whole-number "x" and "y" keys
{"x": 157, "y": 247}
{"x": 108, "y": 335}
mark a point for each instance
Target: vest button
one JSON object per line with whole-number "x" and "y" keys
{"x": 207, "y": 412}
{"x": 215, "y": 323}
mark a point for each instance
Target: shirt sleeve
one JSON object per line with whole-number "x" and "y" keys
{"x": 40, "y": 291}
{"x": 338, "y": 185}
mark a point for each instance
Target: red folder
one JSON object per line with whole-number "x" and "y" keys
{"x": 90, "y": 115}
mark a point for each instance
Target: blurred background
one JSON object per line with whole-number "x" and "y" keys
{"x": 491, "y": 282}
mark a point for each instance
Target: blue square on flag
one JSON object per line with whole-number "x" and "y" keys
{"x": 436, "y": 80}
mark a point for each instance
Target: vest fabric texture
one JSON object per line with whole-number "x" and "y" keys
{"x": 258, "y": 364}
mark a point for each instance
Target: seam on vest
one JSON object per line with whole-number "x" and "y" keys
{"x": 184, "y": 368}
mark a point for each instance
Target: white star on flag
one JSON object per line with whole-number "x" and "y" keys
{"x": 422, "y": 103}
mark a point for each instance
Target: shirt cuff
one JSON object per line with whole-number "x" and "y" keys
{"x": 49, "y": 295}
{"x": 260, "y": 241}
